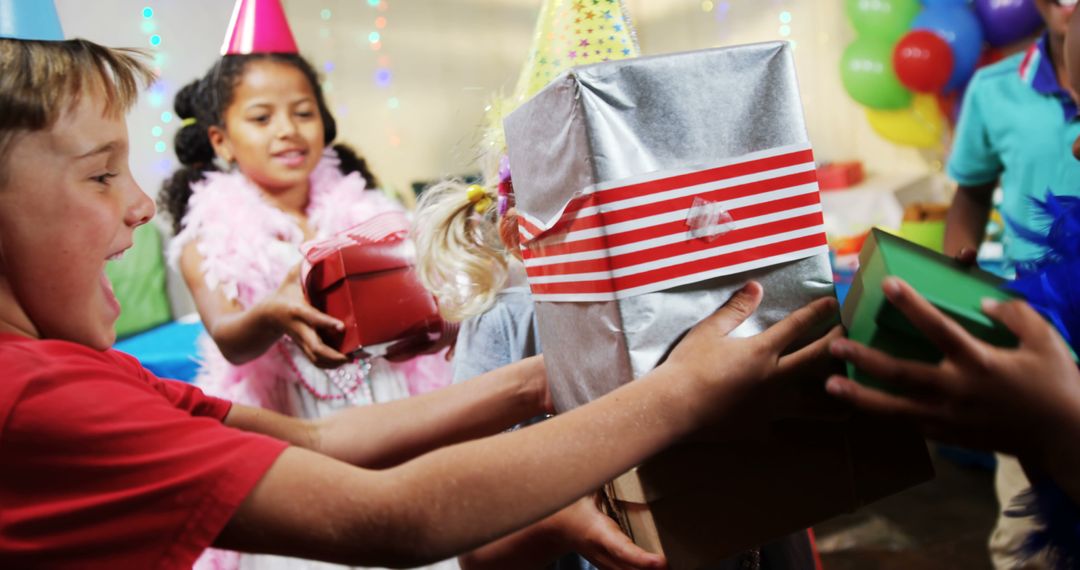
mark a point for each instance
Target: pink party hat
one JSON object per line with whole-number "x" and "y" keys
{"x": 258, "y": 26}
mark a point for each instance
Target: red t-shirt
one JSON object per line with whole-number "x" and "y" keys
{"x": 104, "y": 465}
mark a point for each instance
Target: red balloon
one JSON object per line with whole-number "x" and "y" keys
{"x": 923, "y": 61}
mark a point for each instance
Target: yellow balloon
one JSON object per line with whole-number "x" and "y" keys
{"x": 920, "y": 125}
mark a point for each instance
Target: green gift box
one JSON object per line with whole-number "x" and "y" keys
{"x": 954, "y": 289}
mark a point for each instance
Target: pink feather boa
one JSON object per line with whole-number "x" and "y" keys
{"x": 249, "y": 245}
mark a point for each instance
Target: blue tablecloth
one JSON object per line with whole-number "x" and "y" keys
{"x": 168, "y": 351}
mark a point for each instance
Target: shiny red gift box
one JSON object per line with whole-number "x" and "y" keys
{"x": 365, "y": 278}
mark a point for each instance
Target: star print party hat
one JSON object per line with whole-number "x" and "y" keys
{"x": 30, "y": 20}
{"x": 258, "y": 26}
{"x": 567, "y": 33}
{"x": 575, "y": 32}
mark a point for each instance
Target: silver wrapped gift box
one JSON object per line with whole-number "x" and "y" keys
{"x": 650, "y": 190}
{"x": 724, "y": 126}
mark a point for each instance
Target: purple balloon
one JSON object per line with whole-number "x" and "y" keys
{"x": 1007, "y": 21}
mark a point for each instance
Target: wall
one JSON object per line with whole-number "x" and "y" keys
{"x": 448, "y": 58}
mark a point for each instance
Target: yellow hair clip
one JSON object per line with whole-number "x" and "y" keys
{"x": 188, "y": 122}
{"x": 479, "y": 198}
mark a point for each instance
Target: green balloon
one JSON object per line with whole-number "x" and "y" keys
{"x": 867, "y": 72}
{"x": 882, "y": 19}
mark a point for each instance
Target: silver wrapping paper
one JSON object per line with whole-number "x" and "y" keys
{"x": 611, "y": 121}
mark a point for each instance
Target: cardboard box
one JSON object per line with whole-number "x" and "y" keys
{"x": 700, "y": 504}
{"x": 365, "y": 278}
{"x": 954, "y": 289}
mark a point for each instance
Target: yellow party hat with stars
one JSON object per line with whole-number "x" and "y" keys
{"x": 575, "y": 32}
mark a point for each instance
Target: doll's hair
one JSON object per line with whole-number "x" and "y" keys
{"x": 462, "y": 254}
{"x": 40, "y": 80}
{"x": 202, "y": 103}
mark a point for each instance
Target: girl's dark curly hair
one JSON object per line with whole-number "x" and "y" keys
{"x": 202, "y": 104}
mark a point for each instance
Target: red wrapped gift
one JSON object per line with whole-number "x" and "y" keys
{"x": 364, "y": 276}
{"x": 839, "y": 175}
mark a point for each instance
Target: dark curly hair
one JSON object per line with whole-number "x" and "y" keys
{"x": 205, "y": 100}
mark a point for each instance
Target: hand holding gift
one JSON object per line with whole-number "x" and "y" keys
{"x": 288, "y": 311}
{"x": 979, "y": 395}
{"x": 364, "y": 277}
{"x": 581, "y": 527}
{"x": 760, "y": 371}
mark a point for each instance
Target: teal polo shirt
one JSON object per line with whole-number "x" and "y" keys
{"x": 1018, "y": 125}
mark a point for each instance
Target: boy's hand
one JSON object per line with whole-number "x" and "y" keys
{"x": 593, "y": 535}
{"x": 289, "y": 311}
{"x": 740, "y": 376}
{"x": 580, "y": 528}
{"x": 979, "y": 395}
{"x": 966, "y": 257}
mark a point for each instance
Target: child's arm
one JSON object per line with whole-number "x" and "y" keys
{"x": 459, "y": 497}
{"x": 580, "y": 528}
{"x": 245, "y": 334}
{"x": 391, "y": 433}
{"x": 965, "y": 224}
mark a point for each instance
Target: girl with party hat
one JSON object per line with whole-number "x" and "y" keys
{"x": 261, "y": 111}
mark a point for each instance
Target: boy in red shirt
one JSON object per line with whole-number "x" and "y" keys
{"x": 102, "y": 465}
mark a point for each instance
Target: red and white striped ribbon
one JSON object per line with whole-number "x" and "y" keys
{"x": 628, "y": 237}
{"x": 379, "y": 228}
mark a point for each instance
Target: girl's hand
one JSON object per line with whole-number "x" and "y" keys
{"x": 743, "y": 377}
{"x": 288, "y": 311}
{"x": 979, "y": 395}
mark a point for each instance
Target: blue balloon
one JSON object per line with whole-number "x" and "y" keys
{"x": 959, "y": 27}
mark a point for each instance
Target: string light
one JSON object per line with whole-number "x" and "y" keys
{"x": 785, "y": 26}
{"x": 383, "y": 75}
{"x": 161, "y": 92}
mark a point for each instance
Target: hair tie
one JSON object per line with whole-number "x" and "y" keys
{"x": 478, "y": 197}
{"x": 188, "y": 122}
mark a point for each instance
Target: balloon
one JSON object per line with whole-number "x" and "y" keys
{"x": 882, "y": 19}
{"x": 867, "y": 72}
{"x": 1007, "y": 21}
{"x": 990, "y": 56}
{"x": 959, "y": 27}
{"x": 920, "y": 125}
{"x": 949, "y": 105}
{"x": 923, "y": 61}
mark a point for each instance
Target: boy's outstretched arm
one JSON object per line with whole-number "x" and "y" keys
{"x": 388, "y": 434}
{"x": 457, "y": 498}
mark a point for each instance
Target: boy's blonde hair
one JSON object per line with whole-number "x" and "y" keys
{"x": 40, "y": 80}
{"x": 461, "y": 257}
